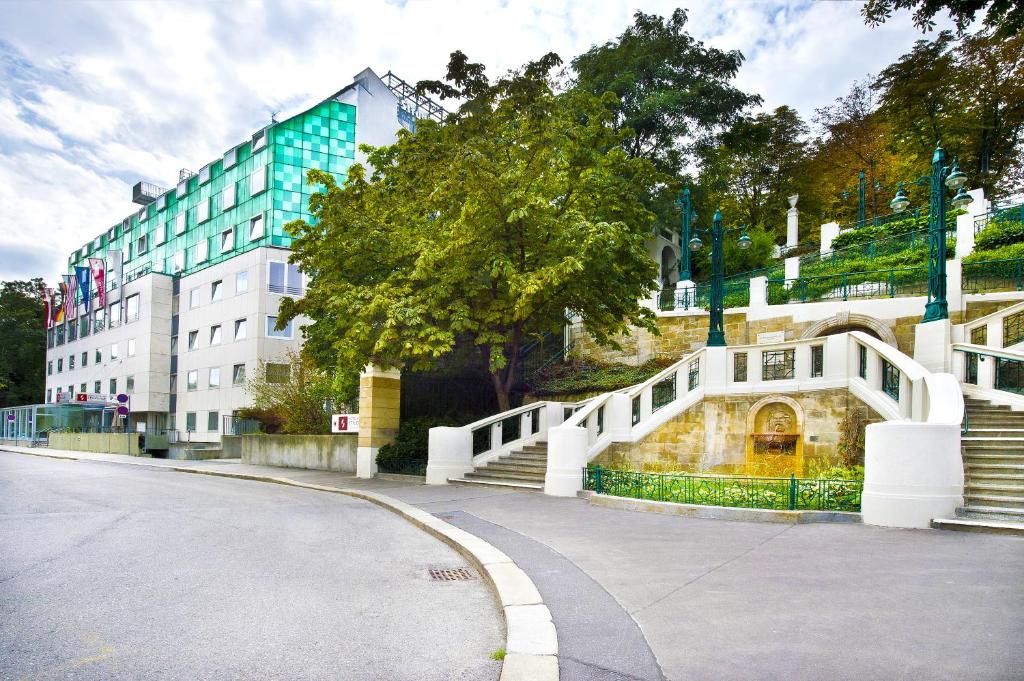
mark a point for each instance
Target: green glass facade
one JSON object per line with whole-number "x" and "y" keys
{"x": 262, "y": 179}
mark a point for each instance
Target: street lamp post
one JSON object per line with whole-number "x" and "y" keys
{"x": 716, "y": 323}
{"x": 941, "y": 178}
{"x": 685, "y": 206}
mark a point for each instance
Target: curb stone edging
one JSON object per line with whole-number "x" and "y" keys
{"x": 750, "y": 515}
{"x": 531, "y": 642}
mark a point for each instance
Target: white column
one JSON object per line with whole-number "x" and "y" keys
{"x": 792, "y": 223}
{"x": 758, "y": 292}
{"x": 932, "y": 345}
{"x": 567, "y": 456}
{"x": 829, "y": 231}
{"x": 965, "y": 223}
{"x": 716, "y": 371}
{"x": 792, "y": 269}
{"x": 449, "y": 454}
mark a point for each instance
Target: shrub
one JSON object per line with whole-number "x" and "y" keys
{"x": 586, "y": 377}
{"x": 889, "y": 229}
{"x": 999, "y": 234}
{"x": 408, "y": 453}
{"x": 1008, "y": 252}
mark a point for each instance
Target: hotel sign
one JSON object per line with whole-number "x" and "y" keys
{"x": 345, "y": 423}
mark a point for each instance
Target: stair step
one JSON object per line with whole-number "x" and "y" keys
{"x": 526, "y": 457}
{"x": 974, "y": 488}
{"x": 515, "y": 467}
{"x": 995, "y": 431}
{"x": 994, "y": 501}
{"x": 986, "y": 526}
{"x": 484, "y": 474}
{"x": 986, "y": 468}
{"x": 986, "y": 477}
{"x": 990, "y": 512}
{"x": 531, "y": 449}
{"x": 498, "y": 483}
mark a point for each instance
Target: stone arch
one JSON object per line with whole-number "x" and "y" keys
{"x": 781, "y": 415}
{"x": 851, "y": 321}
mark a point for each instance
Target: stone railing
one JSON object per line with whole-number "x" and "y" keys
{"x": 990, "y": 373}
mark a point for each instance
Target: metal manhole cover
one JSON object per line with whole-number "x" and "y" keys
{"x": 451, "y": 574}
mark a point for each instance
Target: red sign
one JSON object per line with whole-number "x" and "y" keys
{"x": 345, "y": 423}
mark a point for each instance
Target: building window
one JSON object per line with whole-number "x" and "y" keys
{"x": 49, "y": 368}
{"x": 213, "y": 421}
{"x": 739, "y": 367}
{"x": 113, "y": 386}
{"x": 85, "y": 359}
{"x": 71, "y": 363}
{"x": 227, "y": 197}
{"x": 862, "y": 361}
{"x": 214, "y": 378}
{"x": 174, "y": 345}
{"x": 84, "y": 323}
{"x": 72, "y": 331}
{"x": 99, "y": 356}
{"x": 202, "y": 211}
{"x": 278, "y": 373}
{"x": 193, "y": 299}
{"x": 202, "y": 250}
{"x": 179, "y": 262}
{"x": 192, "y": 380}
{"x": 227, "y": 240}
{"x": 230, "y": 158}
{"x": 979, "y": 335}
{"x": 817, "y": 361}
{"x": 49, "y": 394}
{"x": 215, "y": 335}
{"x": 60, "y": 366}
{"x": 255, "y": 227}
{"x": 238, "y": 374}
{"x": 114, "y": 316}
{"x": 693, "y": 374}
{"x": 131, "y": 347}
{"x": 129, "y": 384}
{"x": 160, "y": 234}
{"x": 81, "y": 388}
{"x": 204, "y": 174}
{"x": 190, "y": 421}
{"x": 286, "y": 332}
{"x": 777, "y": 365}
{"x": 142, "y": 245}
{"x": 242, "y": 281}
{"x": 180, "y": 220}
{"x": 240, "y": 329}
{"x": 284, "y": 278}
{"x": 216, "y": 290}
{"x": 131, "y": 308}
{"x": 113, "y": 351}
{"x": 193, "y": 340}
{"x": 259, "y": 139}
{"x": 96, "y": 387}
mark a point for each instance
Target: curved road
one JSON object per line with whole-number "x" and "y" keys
{"x": 117, "y": 572}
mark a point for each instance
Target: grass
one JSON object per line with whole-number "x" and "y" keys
{"x": 498, "y": 654}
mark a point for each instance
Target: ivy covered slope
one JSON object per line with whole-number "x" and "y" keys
{"x": 585, "y": 378}
{"x": 1000, "y": 240}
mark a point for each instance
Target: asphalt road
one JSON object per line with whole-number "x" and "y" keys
{"x": 117, "y": 572}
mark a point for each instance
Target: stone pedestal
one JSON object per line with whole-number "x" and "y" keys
{"x": 379, "y": 401}
{"x": 829, "y": 231}
{"x": 792, "y": 223}
{"x": 932, "y": 345}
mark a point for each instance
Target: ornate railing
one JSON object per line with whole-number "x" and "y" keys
{"x": 1006, "y": 374}
{"x": 891, "y": 283}
{"x": 1004, "y": 214}
{"x": 698, "y": 296}
{"x": 792, "y": 493}
{"x": 993, "y": 275}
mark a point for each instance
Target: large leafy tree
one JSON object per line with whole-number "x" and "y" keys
{"x": 1005, "y": 16}
{"x": 22, "y": 343}
{"x": 487, "y": 229}
{"x": 672, "y": 89}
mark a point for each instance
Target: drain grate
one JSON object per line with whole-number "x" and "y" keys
{"x": 451, "y": 574}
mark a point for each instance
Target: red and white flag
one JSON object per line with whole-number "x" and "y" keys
{"x": 99, "y": 271}
{"x": 47, "y": 295}
{"x": 71, "y": 304}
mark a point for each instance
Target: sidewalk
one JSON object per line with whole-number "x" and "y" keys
{"x": 733, "y": 600}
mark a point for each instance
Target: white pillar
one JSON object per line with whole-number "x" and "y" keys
{"x": 716, "y": 370}
{"x": 913, "y": 473}
{"x": 965, "y": 223}
{"x": 449, "y": 454}
{"x": 758, "y": 292}
{"x": 932, "y": 345}
{"x": 567, "y": 456}
{"x": 792, "y": 270}
{"x": 792, "y": 223}
{"x": 829, "y": 231}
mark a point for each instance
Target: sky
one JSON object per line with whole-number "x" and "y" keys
{"x": 97, "y": 96}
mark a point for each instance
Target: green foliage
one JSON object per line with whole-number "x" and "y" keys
{"x": 295, "y": 406}
{"x": 22, "y": 343}
{"x": 485, "y": 229}
{"x": 498, "y": 654}
{"x": 408, "y": 453}
{"x": 573, "y": 378}
{"x": 998, "y": 234}
{"x": 1005, "y": 16}
{"x": 670, "y": 87}
{"x": 1011, "y": 251}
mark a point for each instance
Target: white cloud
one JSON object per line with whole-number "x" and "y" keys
{"x": 109, "y": 93}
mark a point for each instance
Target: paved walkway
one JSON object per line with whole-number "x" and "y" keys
{"x": 733, "y": 600}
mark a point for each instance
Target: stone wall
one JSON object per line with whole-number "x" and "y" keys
{"x": 110, "y": 443}
{"x": 316, "y": 452}
{"x": 712, "y": 436}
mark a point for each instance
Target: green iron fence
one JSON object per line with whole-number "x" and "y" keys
{"x": 1004, "y": 214}
{"x": 891, "y": 283}
{"x": 784, "y": 494}
{"x": 993, "y": 275}
{"x": 736, "y": 294}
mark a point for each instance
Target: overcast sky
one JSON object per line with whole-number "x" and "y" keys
{"x": 96, "y": 96}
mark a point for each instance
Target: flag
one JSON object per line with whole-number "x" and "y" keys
{"x": 99, "y": 272}
{"x": 70, "y": 304}
{"x": 47, "y": 295}
{"x": 58, "y": 311}
{"x": 82, "y": 274}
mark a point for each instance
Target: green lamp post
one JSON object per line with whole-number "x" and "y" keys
{"x": 716, "y": 325}
{"x": 685, "y": 207}
{"x": 942, "y": 177}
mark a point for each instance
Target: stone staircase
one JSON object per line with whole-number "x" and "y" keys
{"x": 993, "y": 451}
{"x": 522, "y": 469}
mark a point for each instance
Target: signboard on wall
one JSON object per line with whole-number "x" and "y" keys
{"x": 771, "y": 337}
{"x": 94, "y": 398}
{"x": 345, "y": 423}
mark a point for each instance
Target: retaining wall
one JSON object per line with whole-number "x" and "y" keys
{"x": 315, "y": 452}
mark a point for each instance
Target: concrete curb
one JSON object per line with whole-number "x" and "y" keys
{"x": 750, "y": 515}
{"x": 531, "y": 642}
